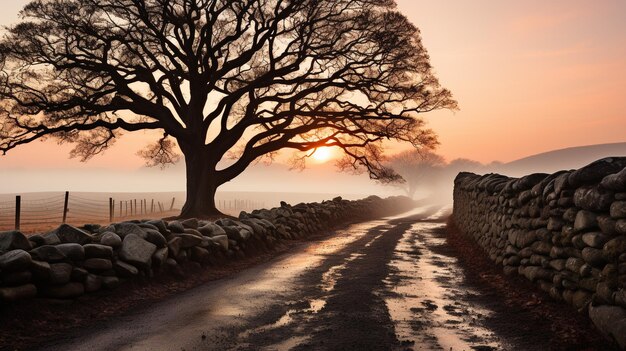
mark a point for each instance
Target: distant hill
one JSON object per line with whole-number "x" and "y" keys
{"x": 569, "y": 158}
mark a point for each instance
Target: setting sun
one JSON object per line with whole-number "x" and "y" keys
{"x": 322, "y": 154}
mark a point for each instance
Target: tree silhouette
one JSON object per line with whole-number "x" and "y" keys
{"x": 219, "y": 78}
{"x": 418, "y": 168}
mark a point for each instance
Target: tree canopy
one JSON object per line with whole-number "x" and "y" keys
{"x": 218, "y": 78}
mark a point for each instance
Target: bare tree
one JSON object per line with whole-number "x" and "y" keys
{"x": 418, "y": 168}
{"x": 242, "y": 78}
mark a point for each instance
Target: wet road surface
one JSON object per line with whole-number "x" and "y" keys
{"x": 378, "y": 285}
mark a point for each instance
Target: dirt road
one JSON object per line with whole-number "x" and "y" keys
{"x": 381, "y": 285}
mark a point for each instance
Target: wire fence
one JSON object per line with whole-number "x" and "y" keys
{"x": 42, "y": 213}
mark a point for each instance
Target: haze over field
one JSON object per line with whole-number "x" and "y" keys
{"x": 530, "y": 77}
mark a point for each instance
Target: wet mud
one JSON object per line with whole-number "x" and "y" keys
{"x": 388, "y": 284}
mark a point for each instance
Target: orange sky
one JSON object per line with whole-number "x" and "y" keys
{"x": 530, "y": 76}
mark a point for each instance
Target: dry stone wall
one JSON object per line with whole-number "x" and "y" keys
{"x": 69, "y": 262}
{"x": 564, "y": 231}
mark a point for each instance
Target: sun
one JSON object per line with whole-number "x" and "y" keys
{"x": 322, "y": 154}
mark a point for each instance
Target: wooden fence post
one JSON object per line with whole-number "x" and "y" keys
{"x": 152, "y": 206}
{"x": 121, "y": 208}
{"x": 65, "y": 203}
{"x": 172, "y": 206}
{"x": 18, "y": 210}
{"x": 110, "y": 209}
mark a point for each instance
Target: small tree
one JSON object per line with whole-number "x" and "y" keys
{"x": 418, "y": 168}
{"x": 217, "y": 78}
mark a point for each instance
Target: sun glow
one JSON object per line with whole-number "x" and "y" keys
{"x": 322, "y": 154}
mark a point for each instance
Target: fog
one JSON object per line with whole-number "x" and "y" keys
{"x": 275, "y": 178}
{"x": 273, "y": 183}
{"x": 435, "y": 183}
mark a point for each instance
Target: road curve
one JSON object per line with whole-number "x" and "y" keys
{"x": 378, "y": 285}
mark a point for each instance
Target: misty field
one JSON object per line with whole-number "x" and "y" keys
{"x": 42, "y": 211}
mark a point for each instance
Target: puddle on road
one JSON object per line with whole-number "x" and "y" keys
{"x": 425, "y": 298}
{"x": 293, "y": 266}
{"x": 329, "y": 278}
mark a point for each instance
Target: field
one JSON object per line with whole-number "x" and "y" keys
{"x": 45, "y": 210}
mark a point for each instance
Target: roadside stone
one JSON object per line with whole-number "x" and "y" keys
{"x": 15, "y": 293}
{"x": 534, "y": 273}
{"x": 222, "y": 240}
{"x": 160, "y": 225}
{"x": 48, "y": 253}
{"x": 607, "y": 225}
{"x": 98, "y": 264}
{"x": 51, "y": 238}
{"x": 15, "y": 260}
{"x": 596, "y": 171}
{"x": 585, "y": 220}
{"x": 236, "y": 233}
{"x": 155, "y": 237}
{"x": 620, "y": 226}
{"x": 79, "y": 274}
{"x": 191, "y": 223}
{"x": 41, "y": 270}
{"x": 555, "y": 224}
{"x": 581, "y": 299}
{"x": 192, "y": 232}
{"x": 604, "y": 294}
{"x": 160, "y": 256}
{"x": 174, "y": 246}
{"x": 595, "y": 239}
{"x": 110, "y": 239}
{"x": 72, "y": 251}
{"x": 620, "y": 297}
{"x": 16, "y": 278}
{"x": 176, "y": 227}
{"x": 593, "y": 256}
{"x": 189, "y": 240}
{"x": 93, "y": 283}
{"x": 146, "y": 225}
{"x": 593, "y": 198}
{"x": 182, "y": 256}
{"x": 611, "y": 321}
{"x": 126, "y": 228}
{"x": 110, "y": 282}
{"x": 614, "y": 248}
{"x": 224, "y": 222}
{"x": 137, "y": 251}
{"x": 211, "y": 229}
{"x": 98, "y": 251}
{"x": 14, "y": 240}
{"x": 66, "y": 291}
{"x": 557, "y": 264}
{"x": 125, "y": 270}
{"x": 200, "y": 255}
{"x": 60, "y": 273}
{"x": 618, "y": 209}
{"x": 69, "y": 234}
{"x": 573, "y": 264}
{"x": 616, "y": 181}
{"x": 36, "y": 240}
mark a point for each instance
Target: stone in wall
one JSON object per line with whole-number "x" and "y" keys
{"x": 69, "y": 261}
{"x": 564, "y": 231}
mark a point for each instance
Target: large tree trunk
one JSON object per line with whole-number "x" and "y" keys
{"x": 201, "y": 186}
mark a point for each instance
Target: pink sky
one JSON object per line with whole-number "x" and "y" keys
{"x": 529, "y": 76}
